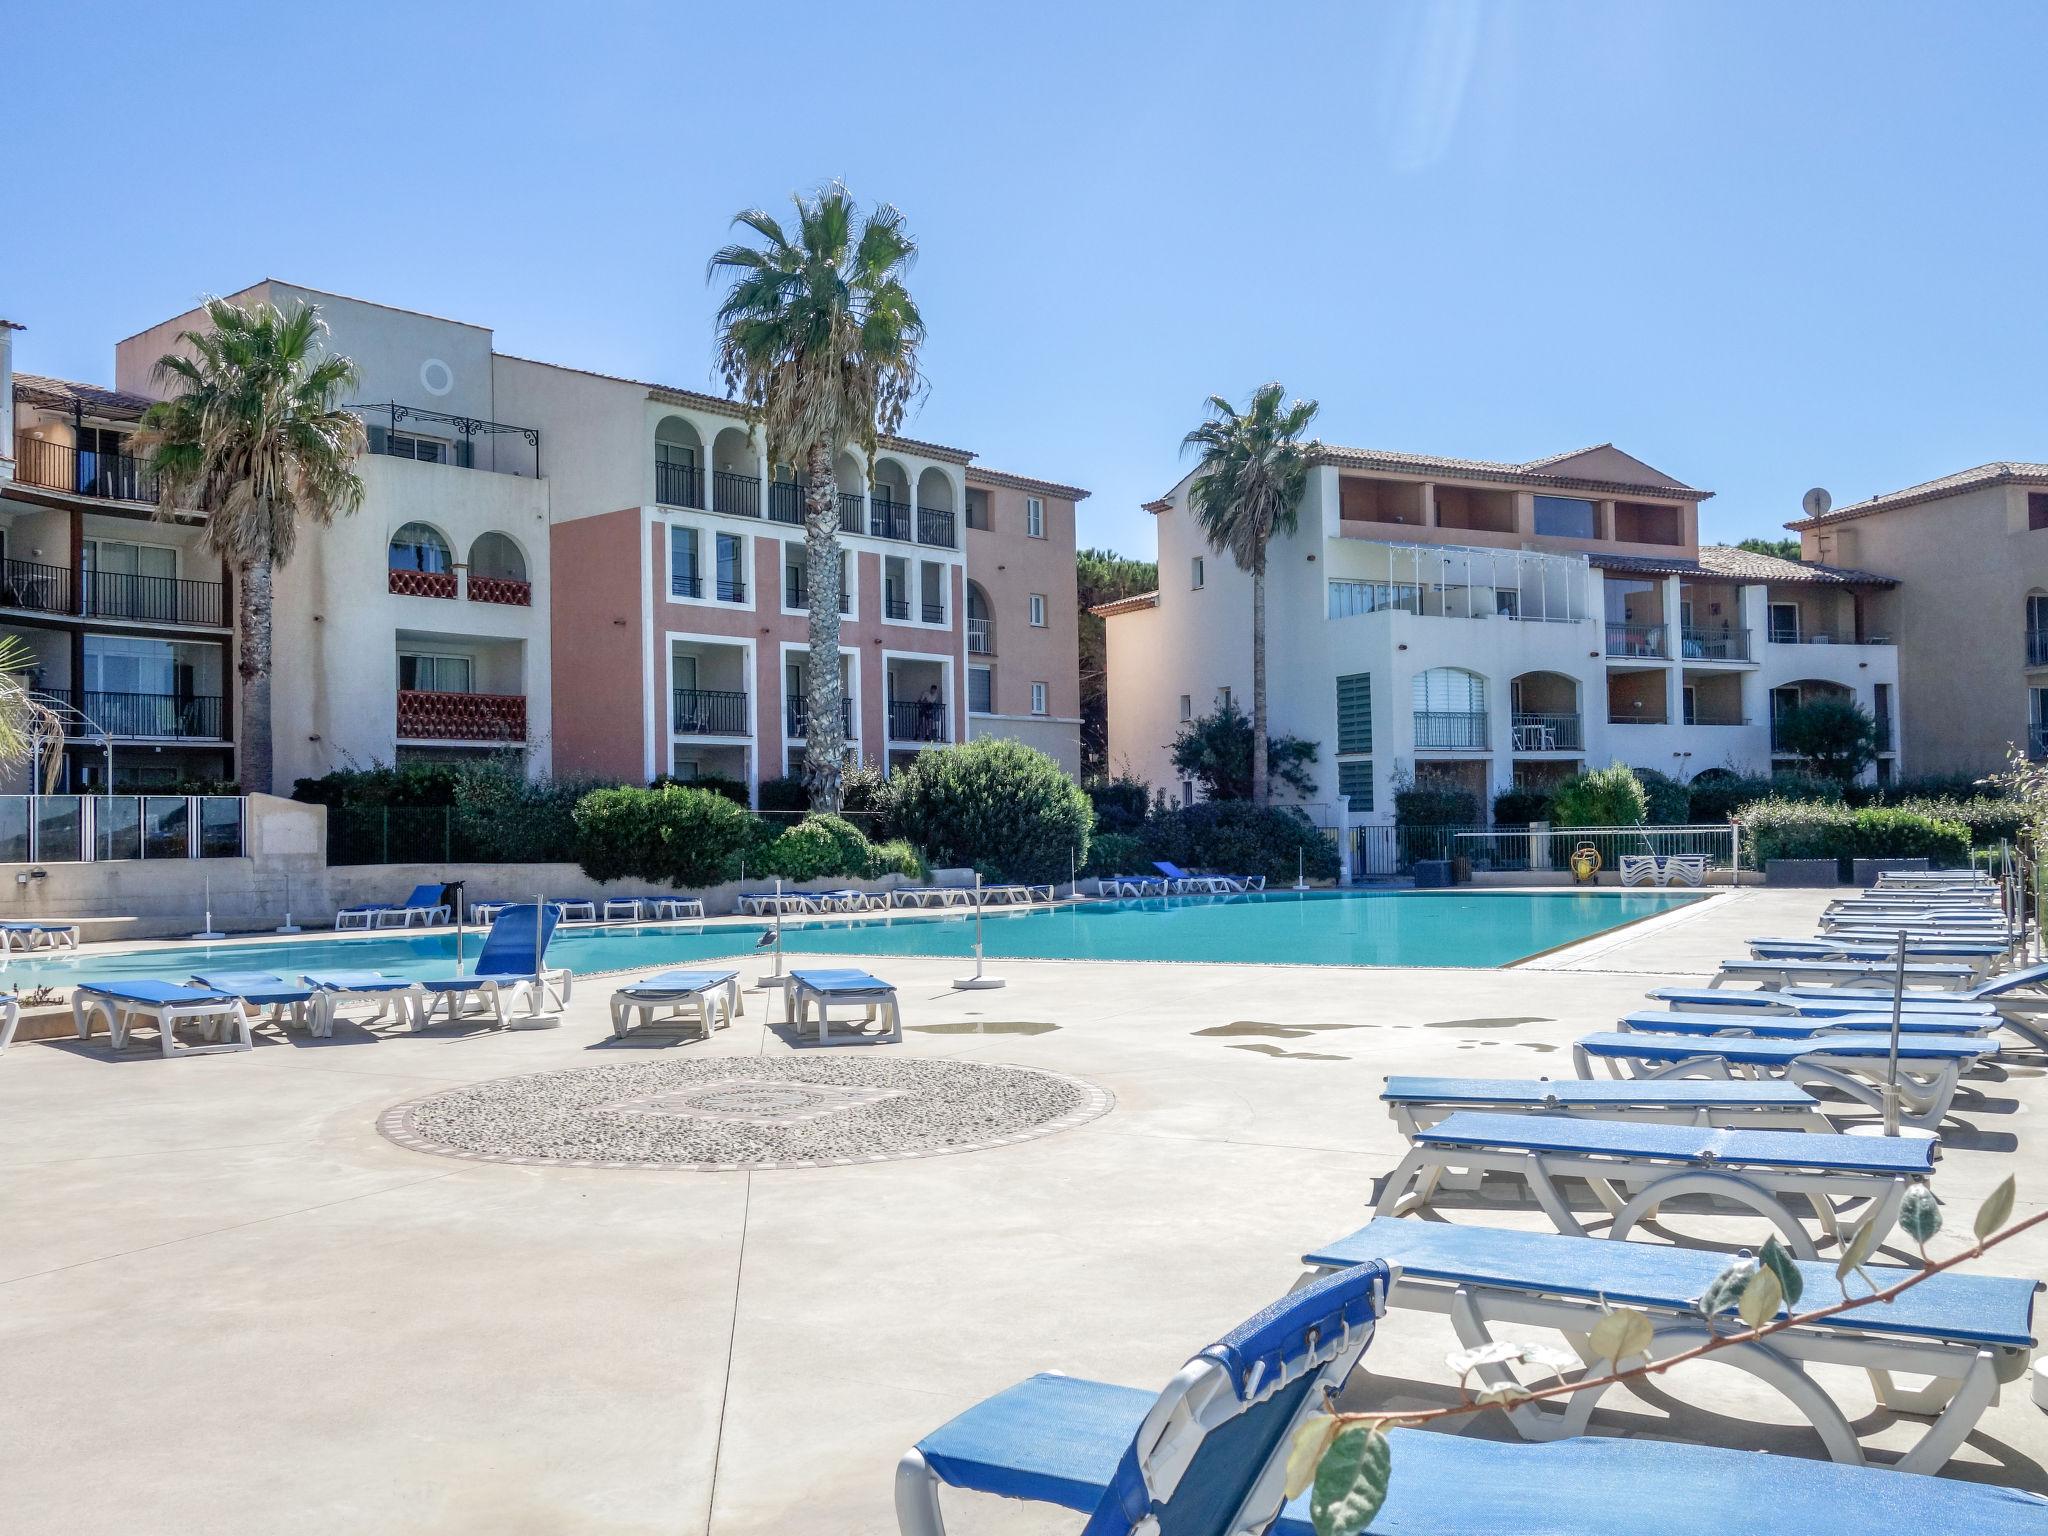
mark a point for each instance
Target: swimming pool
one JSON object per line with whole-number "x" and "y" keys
{"x": 1450, "y": 928}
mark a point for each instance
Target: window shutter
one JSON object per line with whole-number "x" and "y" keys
{"x": 380, "y": 439}
{"x": 1354, "y": 713}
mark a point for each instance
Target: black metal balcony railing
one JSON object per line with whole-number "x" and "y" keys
{"x": 735, "y": 494}
{"x": 1635, "y": 639}
{"x": 786, "y": 501}
{"x": 935, "y": 527}
{"x": 1453, "y": 729}
{"x": 1548, "y": 732}
{"x": 1715, "y": 644}
{"x": 678, "y": 485}
{"x": 852, "y": 512}
{"x": 1635, "y": 717}
{"x": 798, "y": 715}
{"x": 61, "y": 467}
{"x": 39, "y": 588}
{"x": 686, "y": 584}
{"x": 710, "y": 712}
{"x": 981, "y": 637}
{"x": 889, "y": 519}
{"x": 934, "y": 613}
{"x": 158, "y": 599}
{"x": 150, "y": 716}
{"x": 796, "y": 593}
{"x": 896, "y": 607}
{"x": 731, "y": 590}
{"x": 2037, "y": 647}
{"x": 915, "y": 720}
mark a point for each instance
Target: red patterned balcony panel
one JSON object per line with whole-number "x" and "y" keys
{"x": 424, "y": 716}
{"x": 501, "y": 589}
{"x": 422, "y": 583}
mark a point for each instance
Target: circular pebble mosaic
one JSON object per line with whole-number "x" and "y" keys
{"x": 745, "y": 1112}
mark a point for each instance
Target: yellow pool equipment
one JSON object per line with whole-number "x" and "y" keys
{"x": 1585, "y": 863}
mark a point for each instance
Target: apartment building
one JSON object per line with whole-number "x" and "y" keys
{"x": 1970, "y": 552}
{"x": 1494, "y": 623}
{"x": 603, "y": 575}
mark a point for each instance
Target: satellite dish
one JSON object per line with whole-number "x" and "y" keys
{"x": 1816, "y": 502}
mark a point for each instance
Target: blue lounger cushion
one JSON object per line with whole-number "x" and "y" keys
{"x": 1574, "y": 1093}
{"x": 1678, "y": 1021}
{"x": 1684, "y": 1143}
{"x": 1983, "y": 1309}
{"x": 154, "y": 993}
{"x": 1923, "y": 971}
{"x": 1821, "y": 1001}
{"x": 841, "y": 980}
{"x": 677, "y": 983}
{"x": 1059, "y": 1439}
{"x": 24, "y": 925}
{"x": 259, "y": 987}
{"x": 1873, "y": 949}
{"x": 356, "y": 981}
{"x": 1778, "y": 1053}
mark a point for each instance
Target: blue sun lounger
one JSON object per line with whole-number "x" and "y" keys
{"x": 166, "y": 1005}
{"x": 25, "y": 933}
{"x": 393, "y": 996}
{"x": 1969, "y": 1333}
{"x": 824, "y": 989}
{"x": 1781, "y": 1026}
{"x": 511, "y": 965}
{"x": 261, "y": 989}
{"x": 1921, "y": 975}
{"x": 1852, "y": 1064}
{"x": 1100, "y": 1450}
{"x": 1818, "y": 1001}
{"x": 712, "y": 996}
{"x": 1656, "y": 1163}
{"x": 425, "y": 903}
{"x": 1416, "y": 1103}
{"x": 1979, "y": 954}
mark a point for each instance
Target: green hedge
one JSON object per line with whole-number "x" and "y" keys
{"x": 689, "y": 838}
{"x": 1720, "y": 796}
{"x": 1606, "y": 797}
{"x": 487, "y": 812}
{"x": 1787, "y": 829}
{"x": 1233, "y": 836}
{"x": 994, "y": 805}
{"x": 1666, "y": 802}
{"x": 822, "y": 847}
{"x": 1435, "y": 804}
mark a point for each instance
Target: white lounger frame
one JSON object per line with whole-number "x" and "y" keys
{"x": 39, "y": 936}
{"x": 710, "y": 1008}
{"x": 880, "y": 1004}
{"x": 225, "y": 1022}
{"x": 1924, "y": 1094}
{"x": 1413, "y": 1116}
{"x": 1963, "y": 1378}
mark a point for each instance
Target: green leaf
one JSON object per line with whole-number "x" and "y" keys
{"x": 1760, "y": 1298}
{"x": 1780, "y": 1262}
{"x": 1996, "y": 1209}
{"x": 1351, "y": 1482}
{"x": 1725, "y": 1290}
{"x": 1856, "y": 1252}
{"x": 1622, "y": 1333}
{"x": 1309, "y": 1441}
{"x": 1920, "y": 1214}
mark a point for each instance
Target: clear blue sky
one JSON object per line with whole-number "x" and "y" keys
{"x": 1763, "y": 246}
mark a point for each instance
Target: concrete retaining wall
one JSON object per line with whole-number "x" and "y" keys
{"x": 1800, "y": 872}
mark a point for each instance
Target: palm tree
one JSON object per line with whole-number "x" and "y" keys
{"x": 252, "y": 436}
{"x": 818, "y": 336}
{"x": 1248, "y": 487}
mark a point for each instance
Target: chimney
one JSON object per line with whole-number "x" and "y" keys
{"x": 7, "y": 330}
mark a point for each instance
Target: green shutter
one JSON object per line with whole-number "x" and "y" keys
{"x": 1355, "y": 779}
{"x": 1354, "y": 713}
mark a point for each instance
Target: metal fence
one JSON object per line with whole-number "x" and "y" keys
{"x": 1383, "y": 851}
{"x": 88, "y": 829}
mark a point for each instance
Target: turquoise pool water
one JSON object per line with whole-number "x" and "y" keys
{"x": 1281, "y": 927}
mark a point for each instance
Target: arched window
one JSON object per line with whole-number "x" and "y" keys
{"x": 416, "y": 547}
{"x": 494, "y": 555}
{"x": 1450, "y": 690}
{"x": 2037, "y": 629}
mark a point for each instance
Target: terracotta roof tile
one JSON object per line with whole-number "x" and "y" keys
{"x": 1024, "y": 483}
{"x": 1724, "y": 562}
{"x": 1129, "y": 604}
{"x": 62, "y": 394}
{"x": 2004, "y": 472}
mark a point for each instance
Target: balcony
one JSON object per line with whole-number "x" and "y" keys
{"x": 710, "y": 712}
{"x": 1715, "y": 717}
{"x": 797, "y": 715}
{"x": 61, "y": 467}
{"x": 933, "y": 613}
{"x": 1450, "y": 730}
{"x": 404, "y": 582}
{"x": 914, "y": 720}
{"x": 2037, "y": 647}
{"x": 1783, "y": 635}
{"x": 889, "y": 519}
{"x": 935, "y": 527}
{"x": 1548, "y": 733}
{"x": 786, "y": 501}
{"x": 1637, "y": 719}
{"x": 434, "y": 437}
{"x": 852, "y": 511}
{"x": 796, "y": 593}
{"x": 678, "y": 485}
{"x": 501, "y": 589}
{"x": 896, "y": 608}
{"x": 38, "y": 588}
{"x": 735, "y": 495}
{"x": 143, "y": 716}
{"x": 425, "y": 715}
{"x": 157, "y": 599}
{"x": 1715, "y": 644}
{"x": 981, "y": 637}
{"x": 1644, "y": 640}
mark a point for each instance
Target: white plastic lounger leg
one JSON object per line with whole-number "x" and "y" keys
{"x": 1723, "y": 1186}
{"x": 917, "y": 1498}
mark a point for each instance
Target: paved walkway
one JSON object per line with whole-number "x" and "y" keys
{"x": 229, "y": 1305}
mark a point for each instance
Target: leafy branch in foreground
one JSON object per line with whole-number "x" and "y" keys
{"x": 1345, "y": 1459}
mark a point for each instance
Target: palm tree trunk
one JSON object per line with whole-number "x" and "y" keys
{"x": 252, "y": 666}
{"x": 1260, "y": 788}
{"x": 824, "y": 734}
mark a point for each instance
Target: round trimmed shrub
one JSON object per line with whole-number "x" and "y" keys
{"x": 993, "y": 804}
{"x": 1606, "y": 797}
{"x": 1236, "y": 837}
{"x": 1666, "y": 801}
{"x": 1116, "y": 853}
{"x": 1519, "y": 806}
{"x": 896, "y": 857}
{"x": 686, "y": 837}
{"x": 817, "y": 847}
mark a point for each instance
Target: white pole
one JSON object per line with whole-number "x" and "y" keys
{"x": 1891, "y": 1076}
{"x": 211, "y": 932}
{"x": 977, "y": 982}
{"x": 288, "y": 926}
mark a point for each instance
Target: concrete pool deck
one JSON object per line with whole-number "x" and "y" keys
{"x": 228, "y": 1304}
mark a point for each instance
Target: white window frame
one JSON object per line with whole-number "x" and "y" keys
{"x": 707, "y": 533}
{"x": 1034, "y": 517}
{"x": 1187, "y": 706}
{"x": 849, "y": 593}
{"x": 1771, "y": 623}
{"x": 1038, "y": 610}
{"x": 787, "y": 654}
{"x": 990, "y": 673}
{"x": 1040, "y": 702}
{"x": 1196, "y": 574}
{"x": 439, "y": 658}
